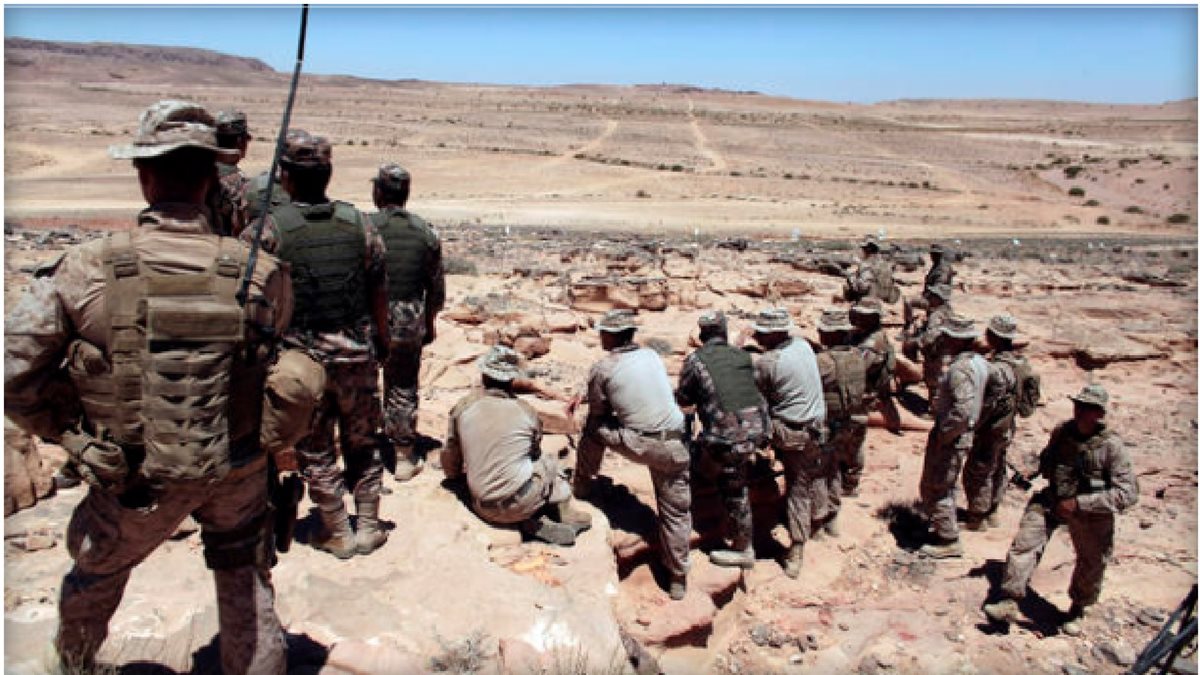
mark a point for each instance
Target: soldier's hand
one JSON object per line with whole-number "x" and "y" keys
{"x": 1066, "y": 507}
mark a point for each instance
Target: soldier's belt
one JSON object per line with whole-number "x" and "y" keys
{"x": 668, "y": 435}
{"x": 511, "y": 499}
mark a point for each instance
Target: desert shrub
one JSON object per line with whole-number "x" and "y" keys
{"x": 1076, "y": 192}
{"x": 925, "y": 184}
{"x": 1072, "y": 171}
{"x": 642, "y": 194}
{"x": 1178, "y": 218}
{"x": 1102, "y": 220}
{"x": 787, "y": 176}
{"x": 1139, "y": 181}
{"x": 1091, "y": 202}
{"x": 457, "y": 265}
{"x": 1134, "y": 209}
{"x": 677, "y": 167}
{"x": 460, "y": 656}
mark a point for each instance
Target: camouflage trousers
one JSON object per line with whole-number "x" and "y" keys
{"x": 107, "y": 540}
{"x": 985, "y": 475}
{"x": 944, "y": 457}
{"x": 806, "y": 472}
{"x": 844, "y": 448}
{"x": 931, "y": 369}
{"x": 350, "y": 406}
{"x": 669, "y": 465}
{"x": 1091, "y": 534}
{"x": 547, "y": 486}
{"x": 733, "y": 484}
{"x": 407, "y": 326}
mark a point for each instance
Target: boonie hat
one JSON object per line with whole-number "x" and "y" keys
{"x": 870, "y": 242}
{"x": 833, "y": 320}
{"x": 170, "y": 125}
{"x": 961, "y": 327}
{"x": 616, "y": 321}
{"x": 1092, "y": 394}
{"x": 392, "y": 176}
{"x": 772, "y": 320}
{"x": 714, "y": 319}
{"x": 937, "y": 248}
{"x": 501, "y": 363}
{"x": 1003, "y": 325}
{"x": 232, "y": 123}
{"x": 301, "y": 148}
{"x": 867, "y": 306}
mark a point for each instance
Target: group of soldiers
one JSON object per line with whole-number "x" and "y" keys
{"x": 232, "y": 340}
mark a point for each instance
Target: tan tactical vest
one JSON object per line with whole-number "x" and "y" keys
{"x": 846, "y": 386}
{"x": 1075, "y": 465}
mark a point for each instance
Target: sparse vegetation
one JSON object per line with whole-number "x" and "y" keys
{"x": 1091, "y": 202}
{"x": 642, "y": 194}
{"x": 1134, "y": 209}
{"x": 1072, "y": 171}
{"x": 457, "y": 265}
{"x": 460, "y": 656}
{"x": 1076, "y": 192}
{"x": 1102, "y": 220}
{"x": 1177, "y": 218}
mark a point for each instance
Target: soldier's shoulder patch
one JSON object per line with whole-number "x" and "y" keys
{"x": 47, "y": 269}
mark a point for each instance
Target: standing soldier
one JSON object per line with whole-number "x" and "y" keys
{"x": 959, "y": 400}
{"x": 340, "y": 325}
{"x": 1091, "y": 480}
{"x": 926, "y": 340}
{"x": 416, "y": 293}
{"x": 233, "y": 134}
{"x": 940, "y": 272}
{"x": 719, "y": 380}
{"x": 873, "y": 277}
{"x": 844, "y": 381}
{"x": 632, "y": 411}
{"x": 1012, "y": 389}
{"x": 98, "y": 356}
{"x": 870, "y": 338}
{"x": 256, "y": 191}
{"x": 788, "y": 377}
{"x": 494, "y": 440}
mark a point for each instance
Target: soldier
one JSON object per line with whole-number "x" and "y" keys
{"x": 959, "y": 401}
{"x": 632, "y": 411}
{"x": 339, "y": 329}
{"x": 1091, "y": 480}
{"x": 256, "y": 192}
{"x": 416, "y": 293}
{"x": 1012, "y": 389}
{"x": 844, "y": 381}
{"x": 870, "y": 338}
{"x": 497, "y": 437}
{"x": 719, "y": 380}
{"x": 940, "y": 272}
{"x": 233, "y": 134}
{"x": 97, "y": 354}
{"x": 790, "y": 381}
{"x": 873, "y": 277}
{"x": 926, "y": 340}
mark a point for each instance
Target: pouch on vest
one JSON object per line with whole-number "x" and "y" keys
{"x": 294, "y": 388}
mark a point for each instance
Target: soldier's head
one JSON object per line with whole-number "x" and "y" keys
{"x": 1001, "y": 331}
{"x": 1090, "y": 406}
{"x": 866, "y": 314}
{"x": 936, "y": 251}
{"x": 392, "y": 185}
{"x": 834, "y": 327}
{"x": 772, "y": 327}
{"x": 174, "y": 152}
{"x": 499, "y": 367}
{"x": 233, "y": 133}
{"x": 305, "y": 166}
{"x": 616, "y": 328}
{"x": 937, "y": 295}
{"x": 958, "y": 334}
{"x": 713, "y": 325}
{"x": 869, "y": 246}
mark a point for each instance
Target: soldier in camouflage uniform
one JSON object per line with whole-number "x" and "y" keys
{"x": 959, "y": 402}
{"x": 232, "y": 133}
{"x": 338, "y": 334}
{"x": 1091, "y": 480}
{"x": 873, "y": 277}
{"x": 870, "y": 338}
{"x": 84, "y": 367}
{"x": 940, "y": 272}
{"x": 416, "y": 292}
{"x": 632, "y": 411}
{"x": 926, "y": 340}
{"x": 790, "y": 381}
{"x": 985, "y": 474}
{"x": 843, "y": 372}
{"x": 719, "y": 380}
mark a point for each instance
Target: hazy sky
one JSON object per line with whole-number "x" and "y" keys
{"x": 861, "y": 54}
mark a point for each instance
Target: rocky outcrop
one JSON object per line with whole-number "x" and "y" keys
{"x": 26, "y": 477}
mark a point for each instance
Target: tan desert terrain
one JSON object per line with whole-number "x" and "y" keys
{"x": 535, "y": 192}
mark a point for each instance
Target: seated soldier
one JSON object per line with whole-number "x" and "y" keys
{"x": 494, "y": 440}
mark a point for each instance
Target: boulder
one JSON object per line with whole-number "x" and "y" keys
{"x": 26, "y": 477}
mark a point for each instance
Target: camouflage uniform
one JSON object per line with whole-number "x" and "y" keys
{"x": 843, "y": 378}
{"x": 232, "y": 205}
{"x": 865, "y": 281}
{"x": 730, "y": 436}
{"x": 933, "y": 359}
{"x": 880, "y": 358}
{"x": 1097, "y": 472}
{"x": 985, "y": 473}
{"x": 64, "y": 316}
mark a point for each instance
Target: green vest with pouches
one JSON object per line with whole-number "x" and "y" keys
{"x": 409, "y": 244}
{"x": 325, "y": 244}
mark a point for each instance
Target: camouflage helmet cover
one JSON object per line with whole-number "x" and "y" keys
{"x": 170, "y": 125}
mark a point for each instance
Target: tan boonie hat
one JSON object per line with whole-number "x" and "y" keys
{"x": 1003, "y": 325}
{"x": 941, "y": 290}
{"x": 961, "y": 327}
{"x": 870, "y": 242}
{"x": 171, "y": 125}
{"x": 834, "y": 320}
{"x": 392, "y": 176}
{"x": 232, "y": 123}
{"x": 1092, "y": 394}
{"x": 301, "y": 148}
{"x": 937, "y": 248}
{"x": 715, "y": 319}
{"x": 772, "y": 320}
{"x": 867, "y": 306}
{"x": 501, "y": 363}
{"x": 616, "y": 321}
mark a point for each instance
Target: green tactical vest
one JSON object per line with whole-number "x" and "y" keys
{"x": 732, "y": 373}
{"x": 846, "y": 386}
{"x": 1075, "y": 468}
{"x": 326, "y": 246}
{"x": 409, "y": 243}
{"x": 255, "y": 193}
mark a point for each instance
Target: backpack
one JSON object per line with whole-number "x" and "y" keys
{"x": 1029, "y": 387}
{"x": 885, "y": 285}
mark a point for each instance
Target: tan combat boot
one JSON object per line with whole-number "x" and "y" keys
{"x": 1073, "y": 625}
{"x": 568, "y": 514}
{"x": 732, "y": 557}
{"x": 408, "y": 464}
{"x": 678, "y": 587}
{"x": 794, "y": 561}
{"x": 831, "y": 526}
{"x": 1003, "y": 611}
{"x": 336, "y": 538}
{"x": 370, "y": 535}
{"x": 544, "y": 529}
{"x": 943, "y": 548}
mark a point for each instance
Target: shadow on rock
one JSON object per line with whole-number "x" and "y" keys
{"x": 1040, "y": 615}
{"x": 305, "y": 655}
{"x": 905, "y": 523}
